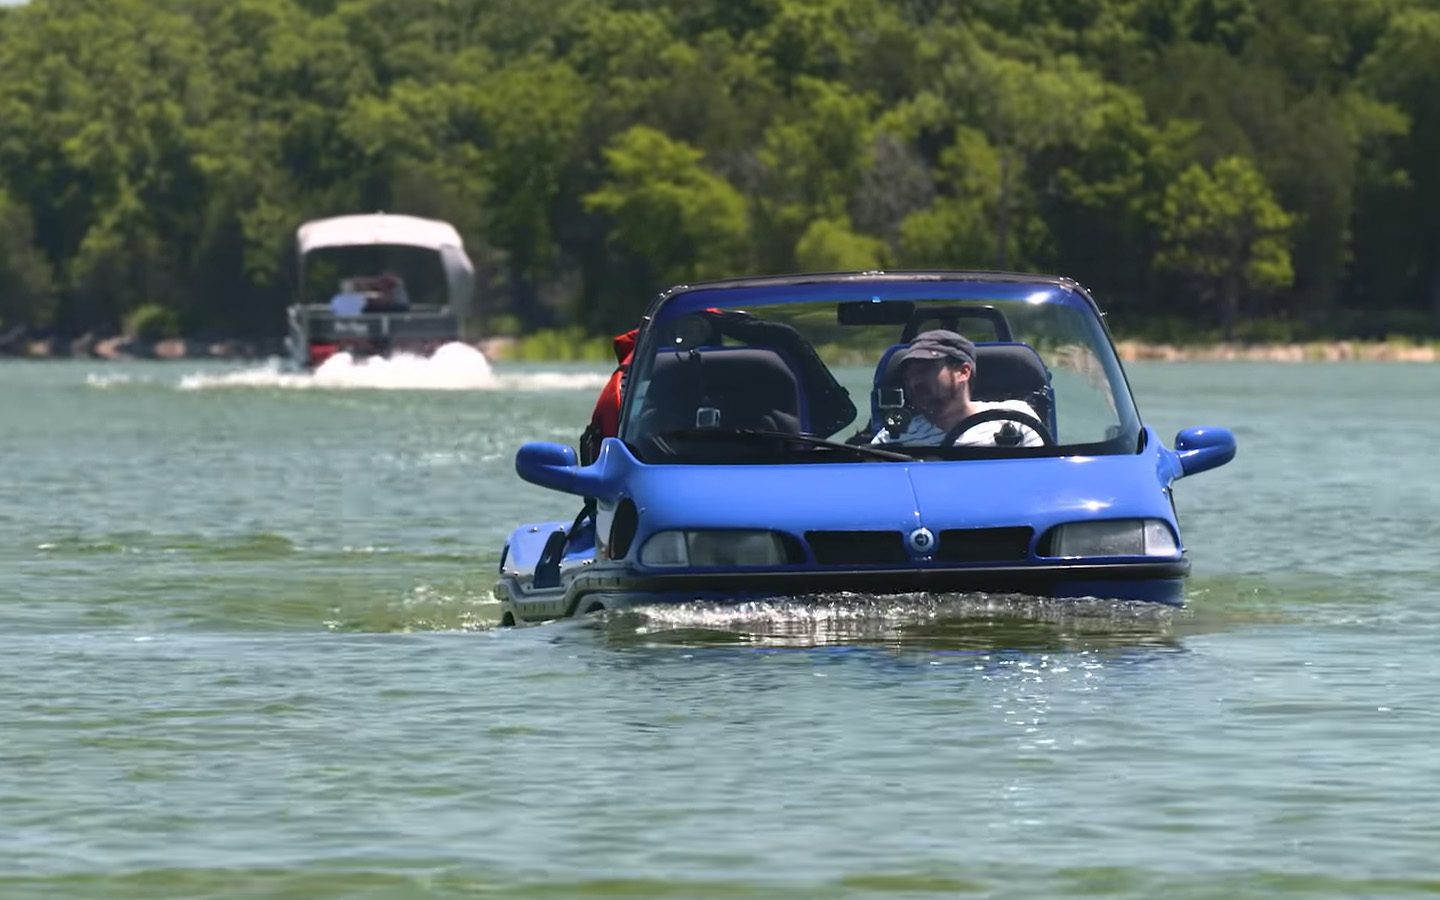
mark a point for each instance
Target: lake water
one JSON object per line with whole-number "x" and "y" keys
{"x": 247, "y": 650}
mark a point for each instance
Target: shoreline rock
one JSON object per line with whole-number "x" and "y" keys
{"x": 17, "y": 344}
{"x": 1315, "y": 351}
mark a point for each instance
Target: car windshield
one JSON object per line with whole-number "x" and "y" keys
{"x": 828, "y": 380}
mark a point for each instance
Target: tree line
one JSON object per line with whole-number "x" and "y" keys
{"x": 1216, "y": 166}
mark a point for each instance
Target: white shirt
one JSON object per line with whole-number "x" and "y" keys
{"x": 347, "y": 303}
{"x": 922, "y": 431}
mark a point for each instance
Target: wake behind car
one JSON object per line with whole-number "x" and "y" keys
{"x": 776, "y": 439}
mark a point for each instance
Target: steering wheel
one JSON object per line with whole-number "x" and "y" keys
{"x": 999, "y": 414}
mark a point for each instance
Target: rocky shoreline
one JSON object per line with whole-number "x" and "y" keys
{"x": 121, "y": 347}
{"x": 118, "y": 347}
{"x": 1314, "y": 351}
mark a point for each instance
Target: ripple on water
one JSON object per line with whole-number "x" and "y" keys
{"x": 219, "y": 681}
{"x": 256, "y": 547}
{"x": 424, "y": 607}
{"x": 454, "y": 878}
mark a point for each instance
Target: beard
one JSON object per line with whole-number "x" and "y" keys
{"x": 936, "y": 398}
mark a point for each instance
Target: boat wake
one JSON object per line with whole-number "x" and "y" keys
{"x": 424, "y": 607}
{"x": 945, "y": 621}
{"x": 454, "y": 366}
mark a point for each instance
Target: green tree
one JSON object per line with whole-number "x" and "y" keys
{"x": 818, "y": 39}
{"x": 811, "y": 166}
{"x": 1027, "y": 109}
{"x": 1402, "y": 214}
{"x": 26, "y": 295}
{"x": 1223, "y": 230}
{"x": 1104, "y": 199}
{"x": 957, "y": 230}
{"x": 1316, "y": 143}
{"x": 164, "y": 151}
{"x": 831, "y": 245}
{"x": 685, "y": 221}
{"x": 704, "y": 90}
{"x": 99, "y": 103}
{"x": 1002, "y": 114}
{"x": 531, "y": 113}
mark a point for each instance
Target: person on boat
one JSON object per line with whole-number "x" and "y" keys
{"x": 936, "y": 369}
{"x": 393, "y": 292}
{"x": 347, "y": 301}
{"x": 388, "y": 293}
{"x": 605, "y": 419}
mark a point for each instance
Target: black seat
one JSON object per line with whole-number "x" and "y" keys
{"x": 723, "y": 387}
{"x": 1013, "y": 372}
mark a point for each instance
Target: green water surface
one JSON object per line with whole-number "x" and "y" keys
{"x": 247, "y": 651}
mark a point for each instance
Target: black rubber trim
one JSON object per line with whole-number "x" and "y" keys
{"x": 998, "y": 579}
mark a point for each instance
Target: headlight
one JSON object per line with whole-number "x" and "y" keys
{"x": 1117, "y": 537}
{"x": 713, "y": 548}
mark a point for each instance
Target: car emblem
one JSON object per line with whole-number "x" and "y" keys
{"x": 921, "y": 541}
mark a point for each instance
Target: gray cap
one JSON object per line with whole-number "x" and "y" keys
{"x": 939, "y": 344}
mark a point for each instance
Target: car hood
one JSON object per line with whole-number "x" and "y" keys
{"x": 901, "y": 496}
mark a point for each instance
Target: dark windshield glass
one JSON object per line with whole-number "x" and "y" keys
{"x": 830, "y": 370}
{"x": 334, "y": 269}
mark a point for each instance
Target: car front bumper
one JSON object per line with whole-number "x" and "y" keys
{"x": 604, "y": 588}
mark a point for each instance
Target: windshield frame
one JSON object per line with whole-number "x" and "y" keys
{"x": 942, "y": 286}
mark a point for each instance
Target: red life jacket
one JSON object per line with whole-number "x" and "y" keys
{"x": 605, "y": 420}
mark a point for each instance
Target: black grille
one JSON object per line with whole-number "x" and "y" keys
{"x": 984, "y": 544}
{"x": 837, "y": 548}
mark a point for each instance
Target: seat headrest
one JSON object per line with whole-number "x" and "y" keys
{"x": 1007, "y": 372}
{"x": 753, "y": 387}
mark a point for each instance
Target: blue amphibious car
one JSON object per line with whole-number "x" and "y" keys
{"x": 766, "y": 449}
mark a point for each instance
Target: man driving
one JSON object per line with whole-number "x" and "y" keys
{"x": 936, "y": 370}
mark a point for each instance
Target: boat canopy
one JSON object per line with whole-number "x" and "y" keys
{"x": 384, "y": 229}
